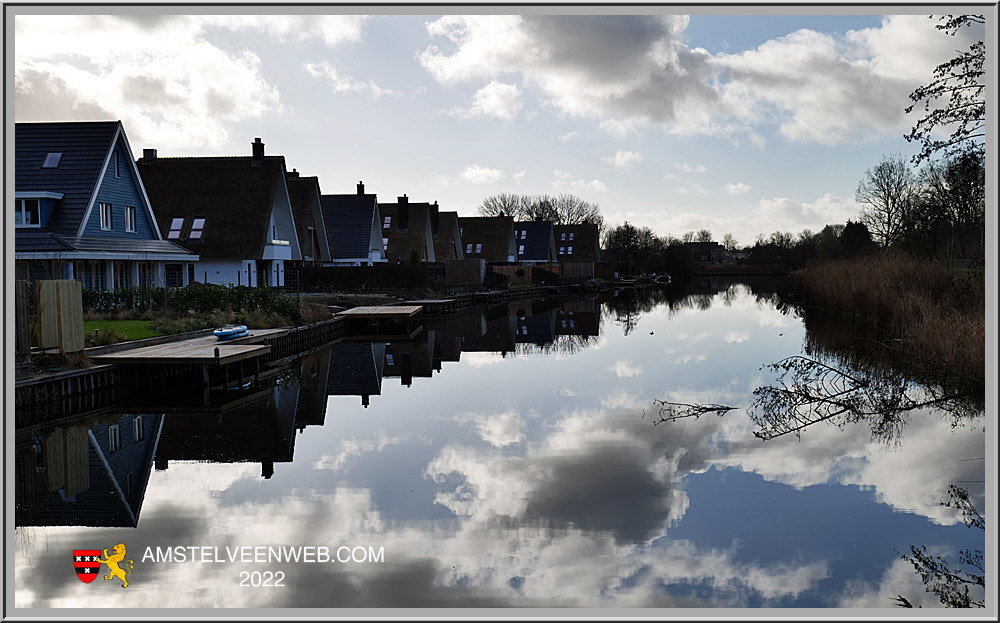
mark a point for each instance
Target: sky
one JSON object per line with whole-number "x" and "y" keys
{"x": 741, "y": 124}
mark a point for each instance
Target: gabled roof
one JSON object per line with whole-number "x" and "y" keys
{"x": 356, "y": 369}
{"x": 409, "y": 229}
{"x": 536, "y": 236}
{"x": 233, "y": 196}
{"x": 302, "y": 191}
{"x": 495, "y": 233}
{"x": 84, "y": 146}
{"x": 349, "y": 221}
{"x": 586, "y": 242}
{"x": 46, "y": 241}
{"x": 447, "y": 237}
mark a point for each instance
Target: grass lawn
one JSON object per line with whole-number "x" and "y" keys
{"x": 132, "y": 329}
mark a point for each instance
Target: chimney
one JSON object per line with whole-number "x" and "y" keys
{"x": 361, "y": 188}
{"x": 293, "y": 174}
{"x": 403, "y": 214}
{"x": 148, "y": 156}
{"x": 435, "y": 218}
{"x": 258, "y": 152}
{"x": 403, "y": 200}
{"x": 538, "y": 219}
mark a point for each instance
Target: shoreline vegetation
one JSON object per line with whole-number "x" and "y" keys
{"x": 924, "y": 313}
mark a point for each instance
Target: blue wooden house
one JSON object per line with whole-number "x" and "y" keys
{"x": 81, "y": 212}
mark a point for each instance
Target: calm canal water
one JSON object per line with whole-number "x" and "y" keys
{"x": 506, "y": 457}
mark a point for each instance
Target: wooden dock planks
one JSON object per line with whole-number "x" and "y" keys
{"x": 200, "y": 350}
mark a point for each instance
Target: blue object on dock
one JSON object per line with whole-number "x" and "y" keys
{"x": 230, "y": 332}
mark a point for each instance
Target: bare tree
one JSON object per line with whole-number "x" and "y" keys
{"x": 564, "y": 209}
{"x": 703, "y": 235}
{"x": 887, "y": 191}
{"x": 688, "y": 237}
{"x": 955, "y": 99}
{"x": 729, "y": 241}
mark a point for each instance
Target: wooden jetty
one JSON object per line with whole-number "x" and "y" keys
{"x": 434, "y": 306}
{"x": 381, "y": 321}
{"x": 199, "y": 350}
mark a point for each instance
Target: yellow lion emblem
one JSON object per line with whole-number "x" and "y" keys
{"x": 116, "y": 570}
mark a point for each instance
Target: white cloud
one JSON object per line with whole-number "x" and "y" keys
{"x": 625, "y": 369}
{"x": 188, "y": 93}
{"x": 341, "y": 82}
{"x": 736, "y": 337}
{"x": 566, "y": 137}
{"x": 352, "y": 448}
{"x": 476, "y": 174}
{"x": 496, "y": 99}
{"x": 624, "y": 159}
{"x": 497, "y": 429}
{"x": 687, "y": 168}
{"x": 693, "y": 188}
{"x": 736, "y": 189}
{"x": 564, "y": 180}
{"x": 519, "y": 176}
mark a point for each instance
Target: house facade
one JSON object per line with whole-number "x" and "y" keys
{"x": 490, "y": 238}
{"x": 81, "y": 210}
{"x": 235, "y": 212}
{"x": 406, "y": 231}
{"x": 354, "y": 229}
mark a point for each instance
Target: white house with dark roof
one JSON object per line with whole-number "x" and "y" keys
{"x": 81, "y": 211}
{"x": 234, "y": 211}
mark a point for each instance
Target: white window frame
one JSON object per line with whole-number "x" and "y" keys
{"x": 107, "y": 223}
{"x": 114, "y": 438}
{"x": 20, "y": 209}
{"x": 130, "y": 219}
{"x": 137, "y": 432}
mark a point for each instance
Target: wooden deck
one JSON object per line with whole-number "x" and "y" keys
{"x": 434, "y": 306}
{"x": 382, "y": 321}
{"x": 199, "y": 350}
{"x": 382, "y": 311}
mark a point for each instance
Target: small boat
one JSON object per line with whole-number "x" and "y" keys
{"x": 231, "y": 331}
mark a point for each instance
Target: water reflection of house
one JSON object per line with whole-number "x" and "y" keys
{"x": 313, "y": 379}
{"x": 419, "y": 357}
{"x": 538, "y": 328}
{"x": 498, "y": 333}
{"x": 581, "y": 317}
{"x": 259, "y": 429}
{"x": 79, "y": 476}
{"x": 356, "y": 370}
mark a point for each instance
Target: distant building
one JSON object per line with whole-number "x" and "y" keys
{"x": 706, "y": 252}
{"x": 490, "y": 238}
{"x": 354, "y": 229}
{"x": 580, "y": 242}
{"x": 406, "y": 230}
{"x": 234, "y": 211}
{"x": 81, "y": 211}
{"x": 447, "y": 236}
{"x": 535, "y": 242}
{"x": 307, "y": 208}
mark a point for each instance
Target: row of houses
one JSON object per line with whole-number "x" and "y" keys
{"x": 85, "y": 208}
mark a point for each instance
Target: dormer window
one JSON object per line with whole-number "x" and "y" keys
{"x": 562, "y": 250}
{"x": 571, "y": 235}
{"x": 562, "y": 236}
{"x": 524, "y": 234}
{"x": 520, "y": 250}
{"x": 197, "y": 225}
{"x": 52, "y": 160}
{"x": 570, "y": 251}
{"x": 479, "y": 247}
{"x": 175, "y": 229}
{"x": 386, "y": 222}
{"x": 26, "y": 213}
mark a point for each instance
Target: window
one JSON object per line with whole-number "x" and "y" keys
{"x": 385, "y": 244}
{"x": 197, "y": 225}
{"x": 130, "y": 218}
{"x": 52, "y": 160}
{"x": 388, "y": 359}
{"x": 386, "y": 222}
{"x": 114, "y": 438}
{"x": 520, "y": 250}
{"x": 571, "y": 235}
{"x": 175, "y": 229}
{"x": 137, "y": 432}
{"x": 26, "y": 213}
{"x": 564, "y": 324}
{"x": 479, "y": 247}
{"x": 106, "y": 216}
{"x": 274, "y": 232}
{"x": 562, "y": 250}
{"x": 562, "y": 236}
{"x": 524, "y": 234}
{"x": 569, "y": 251}
{"x": 468, "y": 248}
{"x": 118, "y": 171}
